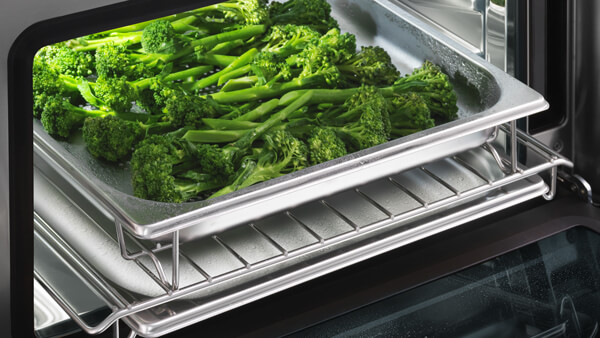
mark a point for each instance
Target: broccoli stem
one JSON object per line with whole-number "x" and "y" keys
{"x": 141, "y": 25}
{"x": 220, "y": 124}
{"x": 244, "y": 59}
{"x": 267, "y": 91}
{"x": 226, "y": 47}
{"x": 260, "y": 111}
{"x": 338, "y": 96}
{"x": 247, "y": 139}
{"x": 191, "y": 72}
{"x": 190, "y": 188}
{"x": 217, "y": 59}
{"x": 239, "y": 83}
{"x": 214, "y": 136}
{"x": 129, "y": 38}
{"x": 234, "y": 74}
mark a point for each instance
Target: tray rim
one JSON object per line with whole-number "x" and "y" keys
{"x": 516, "y": 100}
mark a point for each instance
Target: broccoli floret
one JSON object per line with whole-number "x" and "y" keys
{"x": 354, "y": 106}
{"x": 114, "y": 60}
{"x": 372, "y": 66}
{"x": 111, "y": 138}
{"x": 59, "y": 117}
{"x": 163, "y": 170}
{"x": 246, "y": 12}
{"x": 369, "y": 129}
{"x": 115, "y": 93}
{"x": 66, "y": 60}
{"x": 437, "y": 91}
{"x": 216, "y": 161}
{"x": 48, "y": 82}
{"x": 281, "y": 154}
{"x": 159, "y": 37}
{"x": 188, "y": 110}
{"x": 314, "y": 13}
{"x": 269, "y": 67}
{"x": 286, "y": 40}
{"x": 409, "y": 114}
{"x": 325, "y": 145}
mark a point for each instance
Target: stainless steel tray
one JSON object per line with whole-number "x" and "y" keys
{"x": 487, "y": 98}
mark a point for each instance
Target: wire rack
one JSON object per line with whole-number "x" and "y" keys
{"x": 314, "y": 239}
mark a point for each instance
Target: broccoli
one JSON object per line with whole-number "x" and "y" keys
{"x": 48, "y": 82}
{"x": 163, "y": 170}
{"x": 327, "y": 52}
{"x": 65, "y": 60}
{"x": 159, "y": 37}
{"x": 188, "y": 110}
{"x": 324, "y": 145}
{"x": 409, "y": 114}
{"x": 245, "y": 137}
{"x": 245, "y": 12}
{"x": 286, "y": 40}
{"x": 59, "y": 117}
{"x": 281, "y": 154}
{"x": 118, "y": 94}
{"x": 372, "y": 66}
{"x": 313, "y": 13}
{"x": 153, "y": 35}
{"x": 437, "y": 92}
{"x": 111, "y": 138}
{"x": 367, "y": 131}
{"x": 114, "y": 60}
{"x": 269, "y": 67}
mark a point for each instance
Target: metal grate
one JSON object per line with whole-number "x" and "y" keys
{"x": 314, "y": 238}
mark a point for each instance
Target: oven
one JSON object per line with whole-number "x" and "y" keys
{"x": 481, "y": 228}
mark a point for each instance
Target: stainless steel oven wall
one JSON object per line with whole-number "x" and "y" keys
{"x": 15, "y": 17}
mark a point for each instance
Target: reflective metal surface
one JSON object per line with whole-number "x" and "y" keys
{"x": 252, "y": 261}
{"x": 487, "y": 97}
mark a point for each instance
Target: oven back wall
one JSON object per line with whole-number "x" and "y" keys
{"x": 15, "y": 17}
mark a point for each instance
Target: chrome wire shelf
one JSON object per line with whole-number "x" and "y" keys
{"x": 257, "y": 259}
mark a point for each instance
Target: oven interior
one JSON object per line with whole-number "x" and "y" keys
{"x": 123, "y": 279}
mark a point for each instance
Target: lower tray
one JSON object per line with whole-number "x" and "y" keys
{"x": 249, "y": 262}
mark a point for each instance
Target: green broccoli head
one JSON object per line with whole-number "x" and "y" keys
{"x": 59, "y": 117}
{"x": 152, "y": 165}
{"x": 111, "y": 138}
{"x": 321, "y": 56}
{"x": 154, "y": 98}
{"x": 324, "y": 145}
{"x": 66, "y": 60}
{"x": 116, "y": 93}
{"x": 290, "y": 153}
{"x": 366, "y": 124}
{"x": 370, "y": 96}
{"x": 250, "y": 12}
{"x": 289, "y": 39}
{"x": 372, "y": 66}
{"x": 159, "y": 37}
{"x": 269, "y": 66}
{"x": 215, "y": 161}
{"x": 114, "y": 60}
{"x": 188, "y": 110}
{"x": 437, "y": 91}
{"x": 314, "y": 13}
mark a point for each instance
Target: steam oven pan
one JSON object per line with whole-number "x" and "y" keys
{"x": 487, "y": 98}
